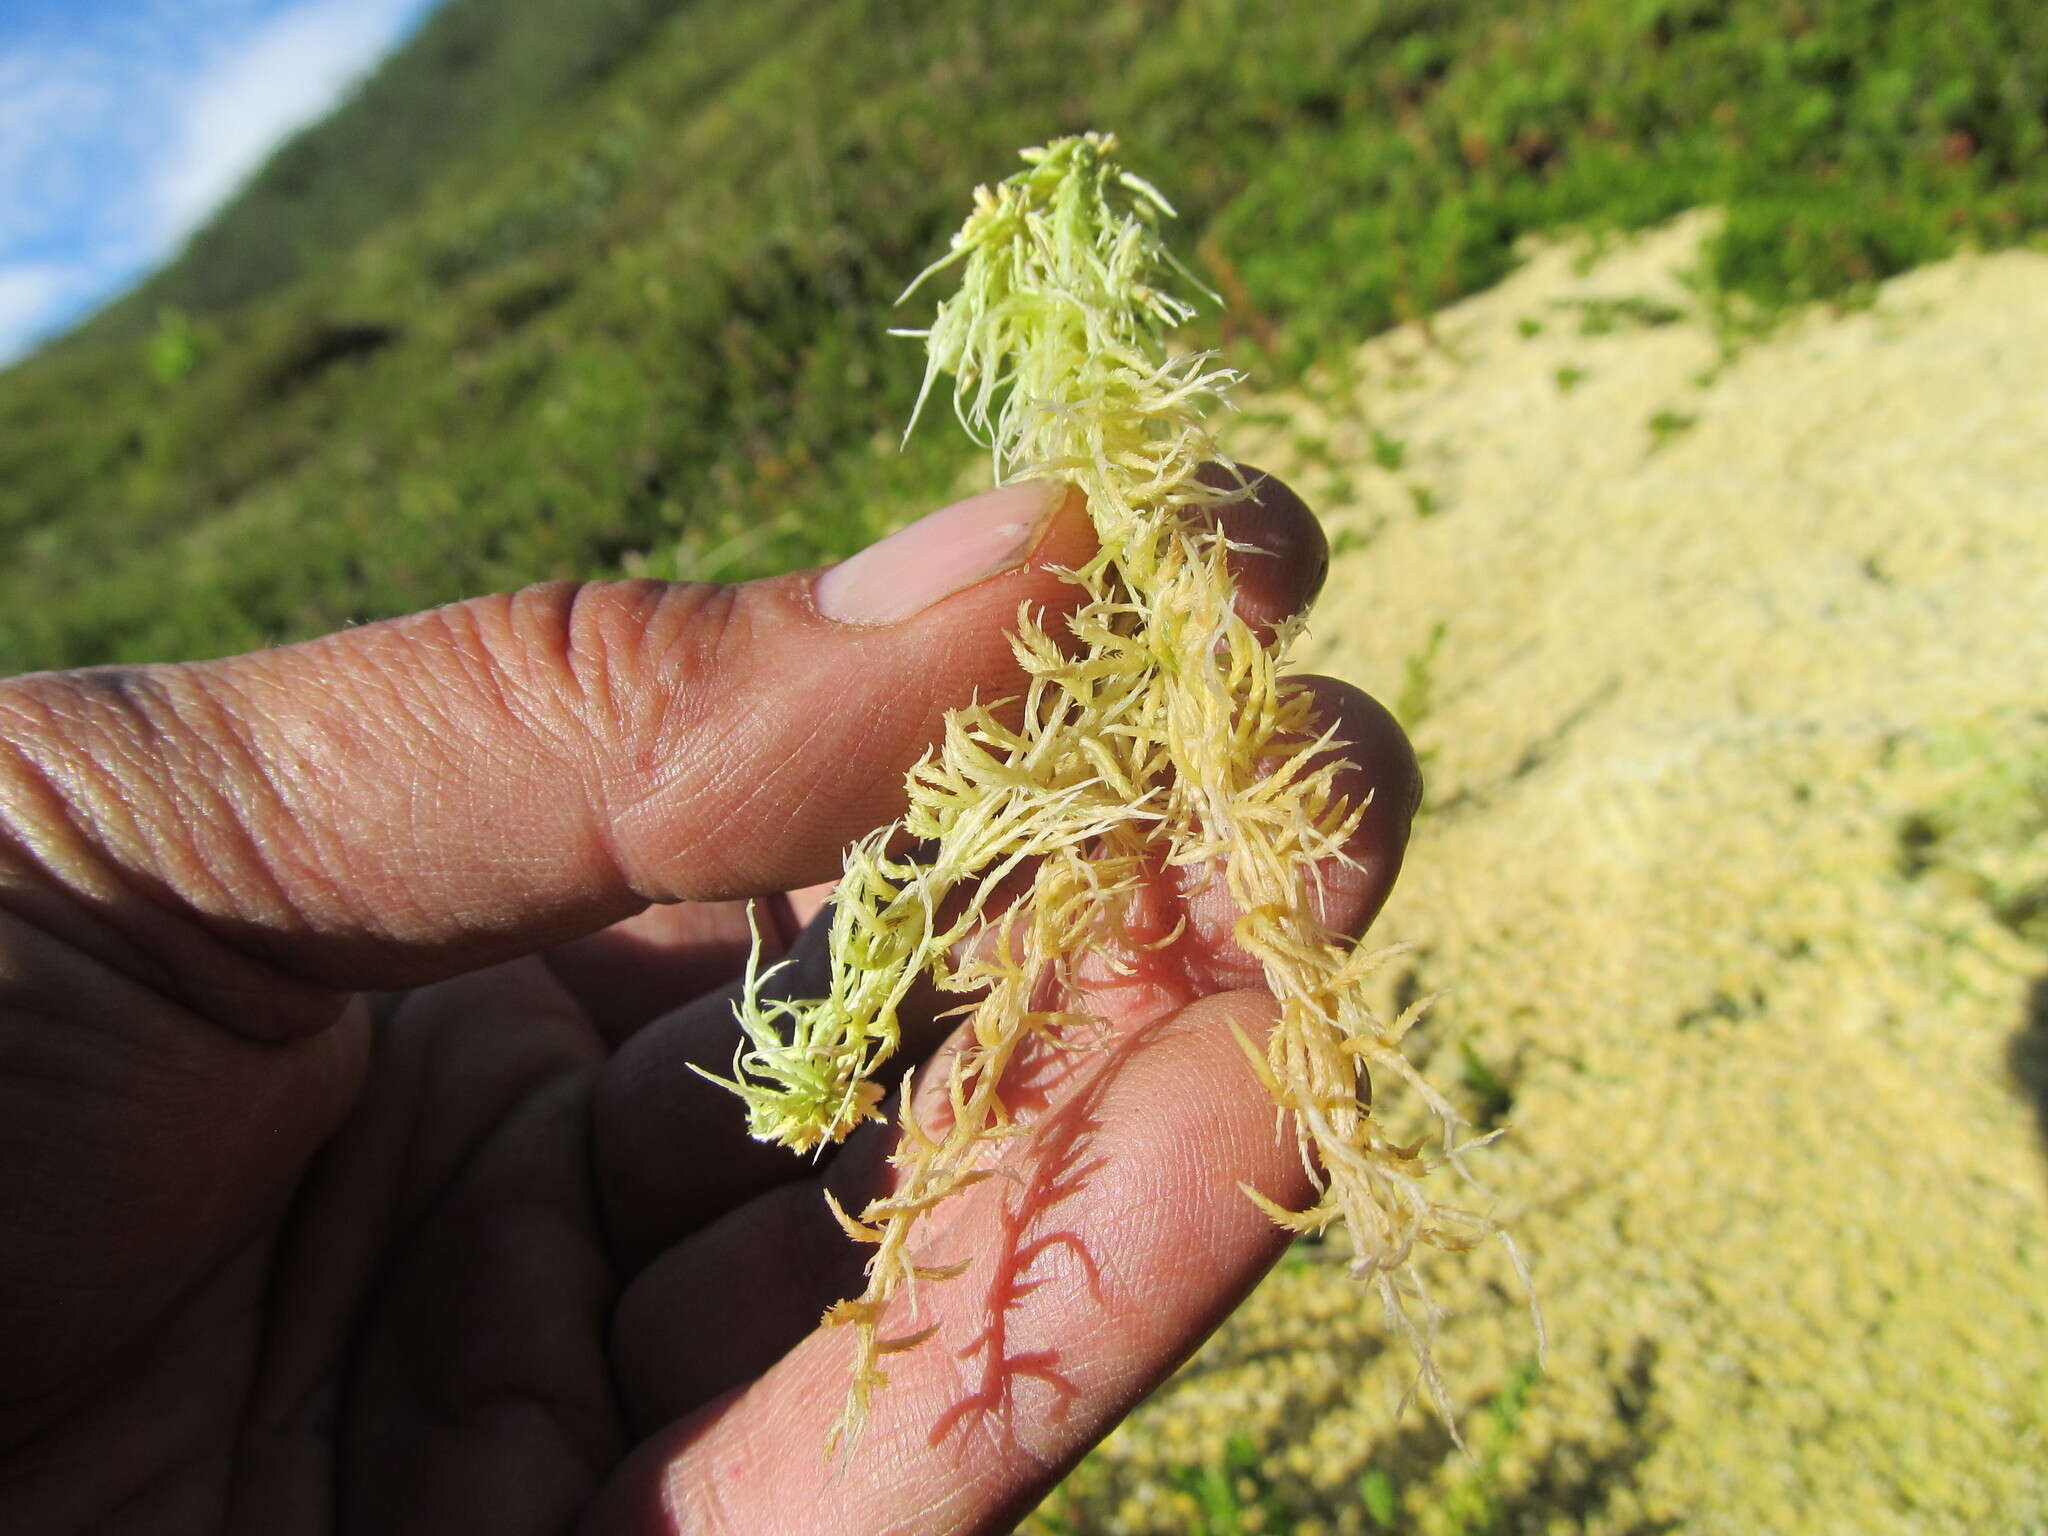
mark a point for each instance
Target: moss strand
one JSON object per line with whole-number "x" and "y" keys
{"x": 1166, "y": 734}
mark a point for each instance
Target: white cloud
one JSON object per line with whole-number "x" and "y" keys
{"x": 29, "y": 292}
{"x": 257, "y": 91}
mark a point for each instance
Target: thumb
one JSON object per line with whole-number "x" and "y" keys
{"x": 422, "y": 796}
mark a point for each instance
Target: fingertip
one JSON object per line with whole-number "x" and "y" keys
{"x": 1379, "y": 772}
{"x": 1285, "y": 557}
{"x": 944, "y": 553}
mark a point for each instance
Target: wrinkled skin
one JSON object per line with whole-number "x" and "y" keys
{"x": 285, "y": 1248}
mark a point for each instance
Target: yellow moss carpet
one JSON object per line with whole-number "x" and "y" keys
{"x": 1731, "y": 677}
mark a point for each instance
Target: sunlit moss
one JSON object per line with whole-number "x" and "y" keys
{"x": 1163, "y": 735}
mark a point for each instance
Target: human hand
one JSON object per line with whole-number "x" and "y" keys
{"x": 276, "y": 1256}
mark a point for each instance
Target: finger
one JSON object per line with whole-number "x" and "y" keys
{"x": 639, "y": 969}
{"x": 670, "y": 1149}
{"x": 650, "y": 964}
{"x": 419, "y": 797}
{"x": 1116, "y": 1244}
{"x": 784, "y": 1246}
{"x": 1281, "y": 556}
{"x": 1378, "y": 772}
{"x": 487, "y": 1300}
{"x": 806, "y": 904}
{"x": 724, "y": 1304}
{"x": 1179, "y": 932}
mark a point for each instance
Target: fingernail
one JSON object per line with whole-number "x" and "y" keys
{"x": 939, "y": 554}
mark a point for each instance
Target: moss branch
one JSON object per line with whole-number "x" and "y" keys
{"x": 1165, "y": 735}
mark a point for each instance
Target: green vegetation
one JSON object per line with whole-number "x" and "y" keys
{"x": 1236, "y": 1492}
{"x": 1228, "y": 1490}
{"x": 1604, "y": 316}
{"x": 1417, "y": 697}
{"x": 1986, "y": 837}
{"x": 1492, "y": 1094}
{"x": 1667, "y": 424}
{"x": 1476, "y": 1505}
{"x": 577, "y": 289}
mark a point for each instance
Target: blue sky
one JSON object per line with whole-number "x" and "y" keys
{"x": 123, "y": 123}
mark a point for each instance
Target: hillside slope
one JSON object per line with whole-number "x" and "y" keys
{"x": 627, "y": 308}
{"x": 478, "y": 78}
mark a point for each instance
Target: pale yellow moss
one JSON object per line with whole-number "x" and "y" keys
{"x": 1164, "y": 734}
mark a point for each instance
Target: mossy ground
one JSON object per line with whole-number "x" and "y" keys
{"x": 1733, "y": 867}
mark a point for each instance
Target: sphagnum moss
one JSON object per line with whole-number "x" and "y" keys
{"x": 1163, "y": 735}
